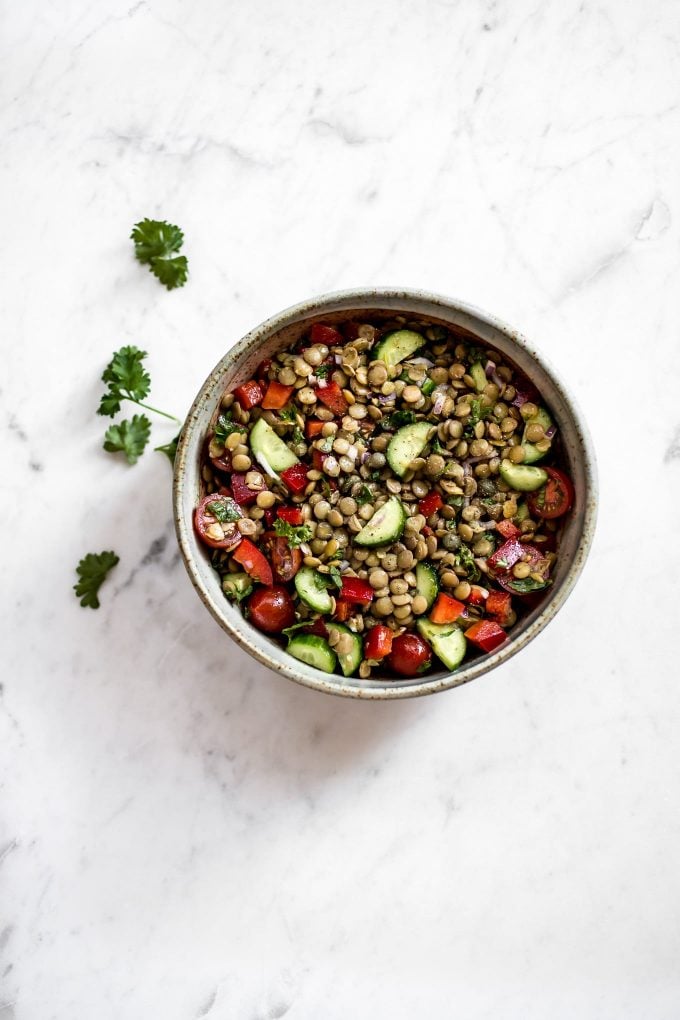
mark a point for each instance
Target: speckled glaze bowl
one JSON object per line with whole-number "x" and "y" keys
{"x": 281, "y": 332}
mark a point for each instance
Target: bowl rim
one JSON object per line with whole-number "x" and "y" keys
{"x": 330, "y": 683}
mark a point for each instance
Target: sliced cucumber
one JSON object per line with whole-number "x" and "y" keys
{"x": 407, "y": 444}
{"x": 522, "y": 512}
{"x": 448, "y": 641}
{"x": 479, "y": 375}
{"x": 396, "y": 346}
{"x": 311, "y": 587}
{"x": 237, "y": 586}
{"x": 531, "y": 454}
{"x": 522, "y": 478}
{"x": 427, "y": 584}
{"x": 386, "y": 525}
{"x": 313, "y": 650}
{"x": 349, "y": 660}
{"x": 269, "y": 450}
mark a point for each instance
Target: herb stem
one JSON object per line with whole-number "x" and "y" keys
{"x": 155, "y": 410}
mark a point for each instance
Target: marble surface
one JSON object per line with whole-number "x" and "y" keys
{"x": 184, "y": 834}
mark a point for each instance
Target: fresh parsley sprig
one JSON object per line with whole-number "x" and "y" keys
{"x": 296, "y": 535}
{"x": 156, "y": 245}
{"x": 128, "y": 437}
{"x": 92, "y": 571}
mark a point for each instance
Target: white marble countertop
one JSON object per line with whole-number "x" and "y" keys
{"x": 184, "y": 834}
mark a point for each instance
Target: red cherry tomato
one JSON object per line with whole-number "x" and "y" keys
{"x": 320, "y": 334}
{"x": 285, "y": 561}
{"x": 271, "y": 609}
{"x": 556, "y": 496}
{"x": 214, "y": 532}
{"x": 410, "y": 655}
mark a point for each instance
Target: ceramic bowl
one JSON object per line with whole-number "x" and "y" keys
{"x": 281, "y": 332}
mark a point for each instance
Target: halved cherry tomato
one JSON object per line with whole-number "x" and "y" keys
{"x": 501, "y": 570}
{"x": 320, "y": 334}
{"x": 486, "y": 634}
{"x": 212, "y": 531}
{"x": 295, "y": 477}
{"x": 378, "y": 642}
{"x": 410, "y": 655}
{"x": 508, "y": 529}
{"x": 477, "y": 596}
{"x": 271, "y": 609}
{"x": 430, "y": 503}
{"x": 254, "y": 563}
{"x": 556, "y": 496}
{"x": 249, "y": 394}
{"x": 290, "y": 514}
{"x": 446, "y": 609}
{"x": 313, "y": 428}
{"x": 318, "y": 627}
{"x": 262, "y": 371}
{"x": 506, "y": 556}
{"x": 219, "y": 455}
{"x": 333, "y": 397}
{"x": 277, "y": 396}
{"x": 286, "y": 560}
{"x": 356, "y": 590}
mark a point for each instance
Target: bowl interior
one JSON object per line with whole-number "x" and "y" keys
{"x": 281, "y": 333}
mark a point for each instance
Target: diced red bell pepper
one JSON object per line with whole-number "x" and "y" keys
{"x": 277, "y": 396}
{"x": 269, "y": 518}
{"x": 430, "y": 503}
{"x": 351, "y": 330}
{"x": 477, "y": 596}
{"x": 499, "y": 605}
{"x": 249, "y": 394}
{"x": 241, "y": 492}
{"x": 320, "y": 334}
{"x": 254, "y": 562}
{"x": 318, "y": 457}
{"x": 343, "y": 610}
{"x": 313, "y": 428}
{"x": 356, "y": 590}
{"x": 508, "y": 529}
{"x": 446, "y": 609}
{"x": 506, "y": 555}
{"x": 333, "y": 397}
{"x": 378, "y": 642}
{"x": 486, "y": 634}
{"x": 295, "y": 477}
{"x": 290, "y": 514}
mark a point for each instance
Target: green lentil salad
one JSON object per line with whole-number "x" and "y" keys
{"x": 384, "y": 497}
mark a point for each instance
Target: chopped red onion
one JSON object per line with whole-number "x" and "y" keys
{"x": 549, "y": 433}
{"x": 439, "y": 399}
{"x": 521, "y": 397}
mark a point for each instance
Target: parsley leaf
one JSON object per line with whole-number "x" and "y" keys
{"x": 128, "y": 437}
{"x": 398, "y": 418}
{"x": 466, "y": 561}
{"x": 321, "y": 371}
{"x": 365, "y": 495}
{"x": 527, "y": 584}
{"x": 170, "y": 449}
{"x": 336, "y": 577}
{"x": 436, "y": 446}
{"x": 126, "y": 378}
{"x": 224, "y": 427}
{"x": 91, "y": 572}
{"x": 156, "y": 246}
{"x": 288, "y": 414}
{"x": 295, "y": 535}
{"x": 225, "y": 510}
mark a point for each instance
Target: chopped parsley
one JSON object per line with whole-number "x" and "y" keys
{"x": 466, "y": 561}
{"x": 296, "y": 535}
{"x": 365, "y": 496}
{"x": 225, "y": 510}
{"x": 224, "y": 427}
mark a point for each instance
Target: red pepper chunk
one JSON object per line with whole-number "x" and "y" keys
{"x": 486, "y": 635}
{"x": 295, "y": 477}
{"x": 378, "y": 642}
{"x": 318, "y": 457}
{"x": 333, "y": 397}
{"x": 249, "y": 394}
{"x": 356, "y": 590}
{"x": 290, "y": 514}
{"x": 477, "y": 596}
{"x": 277, "y": 396}
{"x": 430, "y": 503}
{"x": 313, "y": 428}
{"x": 508, "y": 529}
{"x": 343, "y": 610}
{"x": 499, "y": 604}
{"x": 254, "y": 562}
{"x": 446, "y": 609}
{"x": 320, "y": 334}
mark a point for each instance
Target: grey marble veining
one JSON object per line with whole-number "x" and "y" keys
{"x": 182, "y": 833}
